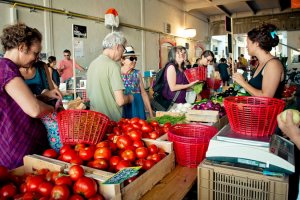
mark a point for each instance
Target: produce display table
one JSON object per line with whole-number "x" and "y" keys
{"x": 174, "y": 186}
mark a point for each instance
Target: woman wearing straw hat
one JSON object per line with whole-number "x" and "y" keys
{"x": 134, "y": 85}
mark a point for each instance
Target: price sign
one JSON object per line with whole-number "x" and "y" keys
{"x": 123, "y": 175}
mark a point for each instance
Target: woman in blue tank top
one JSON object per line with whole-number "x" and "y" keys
{"x": 268, "y": 79}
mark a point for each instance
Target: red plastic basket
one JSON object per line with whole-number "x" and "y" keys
{"x": 213, "y": 83}
{"x": 81, "y": 126}
{"x": 253, "y": 116}
{"x": 195, "y": 73}
{"x": 190, "y": 142}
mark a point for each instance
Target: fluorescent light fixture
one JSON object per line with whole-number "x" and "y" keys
{"x": 189, "y": 32}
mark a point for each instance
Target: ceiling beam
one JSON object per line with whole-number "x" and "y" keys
{"x": 253, "y": 6}
{"x": 210, "y": 3}
{"x": 224, "y": 9}
{"x": 284, "y": 4}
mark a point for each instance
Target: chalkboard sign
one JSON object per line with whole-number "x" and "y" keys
{"x": 123, "y": 175}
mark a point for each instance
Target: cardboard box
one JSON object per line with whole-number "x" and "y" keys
{"x": 216, "y": 181}
{"x": 139, "y": 186}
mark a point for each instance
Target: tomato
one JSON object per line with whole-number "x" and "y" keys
{"x": 76, "y": 172}
{"x": 76, "y": 161}
{"x": 102, "y": 144}
{"x": 127, "y": 127}
{"x": 60, "y": 192}
{"x": 87, "y": 153}
{"x": 123, "y": 141}
{"x": 52, "y": 176}
{"x": 45, "y": 188}
{"x": 102, "y": 152}
{"x": 167, "y": 124}
{"x": 117, "y": 131}
{"x": 64, "y": 180}
{"x": 162, "y": 155}
{"x": 3, "y": 173}
{"x": 152, "y": 149}
{"x": 155, "y": 157}
{"x": 76, "y": 197}
{"x": 78, "y": 147}
{"x": 154, "y": 123}
{"x": 23, "y": 188}
{"x": 113, "y": 147}
{"x": 143, "y": 122}
{"x": 153, "y": 135}
{"x": 31, "y": 195}
{"x": 68, "y": 155}
{"x": 147, "y": 128}
{"x": 138, "y": 143}
{"x": 134, "y": 120}
{"x": 140, "y": 162}
{"x": 112, "y": 137}
{"x": 42, "y": 172}
{"x": 50, "y": 153}
{"x": 135, "y": 135}
{"x": 64, "y": 148}
{"x": 122, "y": 164}
{"x": 136, "y": 126}
{"x": 128, "y": 155}
{"x": 8, "y": 191}
{"x": 114, "y": 161}
{"x": 141, "y": 152}
{"x": 33, "y": 182}
{"x": 99, "y": 163}
{"x": 165, "y": 129}
{"x": 148, "y": 164}
{"x": 97, "y": 197}
{"x": 85, "y": 186}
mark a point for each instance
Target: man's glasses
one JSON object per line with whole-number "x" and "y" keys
{"x": 132, "y": 58}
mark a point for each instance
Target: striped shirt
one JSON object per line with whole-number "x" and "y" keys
{"x": 19, "y": 133}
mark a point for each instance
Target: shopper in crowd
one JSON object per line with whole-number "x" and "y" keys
{"x": 65, "y": 67}
{"x": 206, "y": 58}
{"x": 223, "y": 70}
{"x": 268, "y": 79}
{"x": 174, "y": 75}
{"x": 53, "y": 71}
{"x": 22, "y": 132}
{"x": 105, "y": 87}
{"x": 134, "y": 85}
{"x": 36, "y": 77}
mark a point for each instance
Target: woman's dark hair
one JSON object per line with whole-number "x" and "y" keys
{"x": 207, "y": 53}
{"x": 172, "y": 56}
{"x": 14, "y": 35}
{"x": 265, "y": 35}
{"x": 51, "y": 59}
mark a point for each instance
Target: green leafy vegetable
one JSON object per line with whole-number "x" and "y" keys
{"x": 198, "y": 88}
{"x": 172, "y": 119}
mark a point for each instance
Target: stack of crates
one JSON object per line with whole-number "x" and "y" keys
{"x": 216, "y": 181}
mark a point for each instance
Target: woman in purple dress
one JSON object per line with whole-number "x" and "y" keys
{"x": 174, "y": 75}
{"x": 21, "y": 130}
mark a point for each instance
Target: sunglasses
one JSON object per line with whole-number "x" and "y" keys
{"x": 132, "y": 58}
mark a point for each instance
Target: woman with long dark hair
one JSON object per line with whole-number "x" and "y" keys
{"x": 268, "y": 79}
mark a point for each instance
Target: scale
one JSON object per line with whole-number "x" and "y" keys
{"x": 271, "y": 153}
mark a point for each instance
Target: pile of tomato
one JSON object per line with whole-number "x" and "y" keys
{"x": 122, "y": 148}
{"x": 151, "y": 130}
{"x": 44, "y": 184}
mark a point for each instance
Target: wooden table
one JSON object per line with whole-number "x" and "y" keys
{"x": 174, "y": 186}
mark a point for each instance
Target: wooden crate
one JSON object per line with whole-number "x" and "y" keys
{"x": 139, "y": 186}
{"x": 202, "y": 115}
{"x": 216, "y": 181}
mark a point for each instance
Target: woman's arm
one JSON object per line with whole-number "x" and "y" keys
{"x": 271, "y": 78}
{"x": 171, "y": 78}
{"x": 51, "y": 75}
{"x": 21, "y": 94}
{"x": 145, "y": 97}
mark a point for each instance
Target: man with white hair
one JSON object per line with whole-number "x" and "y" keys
{"x": 105, "y": 87}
